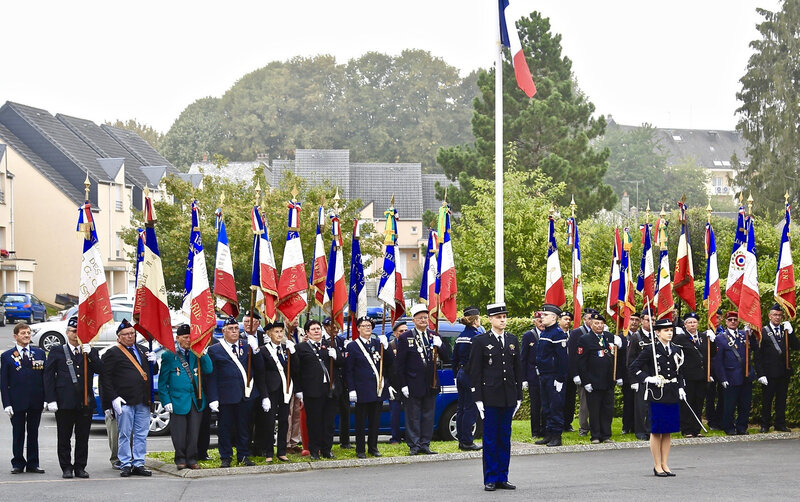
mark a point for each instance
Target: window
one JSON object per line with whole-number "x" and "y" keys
{"x": 676, "y": 137}
{"x": 119, "y": 252}
{"x": 119, "y": 197}
{"x": 717, "y": 181}
{"x": 414, "y": 229}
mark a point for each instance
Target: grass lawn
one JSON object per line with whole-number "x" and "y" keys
{"x": 520, "y": 432}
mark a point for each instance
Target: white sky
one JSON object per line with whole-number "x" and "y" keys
{"x": 673, "y": 64}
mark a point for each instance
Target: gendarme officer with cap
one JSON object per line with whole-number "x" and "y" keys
{"x": 698, "y": 348}
{"x": 773, "y": 366}
{"x": 466, "y": 412}
{"x": 69, "y": 394}
{"x": 553, "y": 366}
{"x": 496, "y": 377}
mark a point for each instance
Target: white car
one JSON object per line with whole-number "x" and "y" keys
{"x": 47, "y": 335}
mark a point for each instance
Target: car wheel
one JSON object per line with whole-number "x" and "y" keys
{"x": 447, "y": 425}
{"x": 159, "y": 420}
{"x": 2, "y": 320}
{"x": 30, "y": 318}
{"x": 50, "y": 340}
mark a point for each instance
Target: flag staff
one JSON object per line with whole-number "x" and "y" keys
{"x": 708, "y": 342}
{"x": 747, "y": 337}
{"x": 785, "y": 333}
{"x": 86, "y": 184}
{"x": 499, "y": 271}
{"x": 253, "y": 290}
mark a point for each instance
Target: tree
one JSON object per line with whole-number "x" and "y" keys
{"x": 146, "y": 132}
{"x": 551, "y": 132}
{"x": 196, "y": 132}
{"x": 769, "y": 117}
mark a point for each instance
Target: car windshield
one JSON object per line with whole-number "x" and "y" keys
{"x": 13, "y": 299}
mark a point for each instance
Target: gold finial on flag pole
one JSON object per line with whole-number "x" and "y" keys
{"x": 708, "y": 210}
{"x": 647, "y": 213}
{"x": 786, "y": 197}
{"x": 87, "y": 183}
{"x": 258, "y": 193}
{"x": 294, "y": 194}
{"x": 572, "y": 205}
{"x": 336, "y": 200}
{"x": 750, "y": 205}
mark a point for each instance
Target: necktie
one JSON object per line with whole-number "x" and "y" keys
{"x": 500, "y": 340}
{"x": 135, "y": 354}
{"x": 25, "y": 353}
{"x": 77, "y": 351}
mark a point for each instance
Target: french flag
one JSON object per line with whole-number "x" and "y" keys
{"x": 665, "y": 304}
{"x": 554, "y": 282}
{"x": 390, "y": 289}
{"x": 626, "y": 296}
{"x": 427, "y": 290}
{"x": 358, "y": 293}
{"x": 335, "y": 290}
{"x": 577, "y": 284}
{"x": 684, "y": 269}
{"x": 224, "y": 284}
{"x": 198, "y": 305}
{"x": 511, "y": 40}
{"x": 733, "y": 286}
{"x": 784, "y": 276}
{"x": 319, "y": 270}
{"x": 612, "y": 299}
{"x": 264, "y": 273}
{"x": 293, "y": 285}
{"x": 712, "y": 297}
{"x": 150, "y": 309}
{"x": 446, "y": 287}
{"x": 750, "y": 302}
{"x": 645, "y": 281}
{"x": 94, "y": 307}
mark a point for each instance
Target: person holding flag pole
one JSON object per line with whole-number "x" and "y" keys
{"x": 573, "y": 387}
{"x": 712, "y": 299}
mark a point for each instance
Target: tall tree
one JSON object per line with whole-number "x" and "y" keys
{"x": 195, "y": 133}
{"x": 551, "y": 132}
{"x": 769, "y": 117}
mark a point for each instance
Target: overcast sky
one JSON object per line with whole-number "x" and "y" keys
{"x": 672, "y": 64}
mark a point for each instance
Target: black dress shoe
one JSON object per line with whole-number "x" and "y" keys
{"x": 35, "y": 470}
{"x": 764, "y": 429}
{"x": 375, "y": 453}
{"x": 193, "y": 466}
{"x": 180, "y": 466}
{"x": 245, "y": 461}
{"x": 116, "y": 465}
{"x": 505, "y": 485}
{"x": 742, "y": 433}
{"x": 489, "y": 487}
{"x": 17, "y": 470}
{"x": 81, "y": 473}
{"x": 314, "y": 456}
{"x": 361, "y": 455}
{"x": 139, "y": 470}
{"x": 546, "y": 439}
{"x": 413, "y": 451}
{"x": 662, "y": 474}
{"x": 670, "y": 474}
{"x": 783, "y": 429}
{"x": 203, "y": 457}
{"x": 67, "y": 474}
{"x": 730, "y": 432}
{"x": 427, "y": 450}
{"x": 125, "y": 472}
{"x": 328, "y": 454}
{"x": 469, "y": 447}
{"x": 225, "y": 462}
{"x": 556, "y": 441}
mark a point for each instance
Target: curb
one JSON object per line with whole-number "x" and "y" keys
{"x": 517, "y": 449}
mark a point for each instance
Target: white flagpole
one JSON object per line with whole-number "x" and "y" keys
{"x": 499, "y": 272}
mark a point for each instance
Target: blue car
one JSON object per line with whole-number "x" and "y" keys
{"x": 23, "y": 307}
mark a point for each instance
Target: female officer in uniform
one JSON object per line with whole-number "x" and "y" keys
{"x": 660, "y": 368}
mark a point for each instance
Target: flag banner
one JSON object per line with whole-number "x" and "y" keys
{"x": 712, "y": 297}
{"x": 264, "y": 276}
{"x": 612, "y": 299}
{"x": 665, "y": 304}
{"x": 390, "y": 289}
{"x": 319, "y": 269}
{"x": 150, "y": 310}
{"x": 427, "y": 291}
{"x": 293, "y": 285}
{"x": 784, "y": 276}
{"x": 577, "y": 284}
{"x": 358, "y": 291}
{"x": 446, "y": 287}
{"x": 626, "y": 298}
{"x": 733, "y": 286}
{"x": 554, "y": 282}
{"x": 224, "y": 283}
{"x": 750, "y": 300}
{"x": 645, "y": 281}
{"x": 684, "y": 268}
{"x": 510, "y": 39}
{"x": 198, "y": 304}
{"x": 335, "y": 288}
{"x": 94, "y": 307}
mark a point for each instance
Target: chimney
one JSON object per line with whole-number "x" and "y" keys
{"x": 205, "y": 157}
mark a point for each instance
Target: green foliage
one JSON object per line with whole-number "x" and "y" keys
{"x": 551, "y": 132}
{"x": 174, "y": 220}
{"x": 769, "y": 116}
{"x": 383, "y": 108}
{"x": 146, "y": 132}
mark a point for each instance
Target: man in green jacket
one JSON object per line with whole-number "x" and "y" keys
{"x": 182, "y": 396}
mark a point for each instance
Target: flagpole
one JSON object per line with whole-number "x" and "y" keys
{"x": 499, "y": 272}
{"x": 747, "y": 335}
{"x": 253, "y": 291}
{"x": 86, "y": 184}
{"x": 708, "y": 342}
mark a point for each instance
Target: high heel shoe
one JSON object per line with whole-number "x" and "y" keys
{"x": 670, "y": 474}
{"x": 662, "y": 474}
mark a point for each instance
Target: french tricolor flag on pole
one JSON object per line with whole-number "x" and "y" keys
{"x": 293, "y": 284}
{"x": 554, "y": 282}
{"x": 198, "y": 305}
{"x": 335, "y": 289}
{"x": 224, "y": 284}
{"x": 319, "y": 269}
{"x": 94, "y": 307}
{"x": 358, "y": 291}
{"x": 784, "y": 276}
{"x": 511, "y": 40}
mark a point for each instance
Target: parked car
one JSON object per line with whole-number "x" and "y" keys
{"x": 2, "y": 314}
{"x": 23, "y": 307}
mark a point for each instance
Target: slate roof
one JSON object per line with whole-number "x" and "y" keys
{"x": 154, "y": 174}
{"x": 233, "y": 171}
{"x": 377, "y": 182}
{"x": 193, "y": 178}
{"x": 141, "y": 149}
{"x": 429, "y": 200}
{"x": 316, "y": 166}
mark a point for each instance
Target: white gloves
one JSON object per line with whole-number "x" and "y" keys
{"x": 332, "y": 353}
{"x": 710, "y": 378}
{"x": 298, "y": 395}
{"x": 619, "y": 382}
{"x": 52, "y": 406}
{"x": 635, "y": 387}
{"x": 168, "y": 407}
{"x": 265, "y": 404}
{"x": 109, "y": 414}
{"x": 577, "y": 380}
{"x": 86, "y": 348}
{"x": 384, "y": 341}
{"x": 10, "y": 411}
{"x": 346, "y": 342}
{"x": 588, "y": 387}
{"x": 117, "y": 405}
{"x": 151, "y": 356}
{"x": 762, "y": 380}
{"x": 525, "y": 385}
{"x": 618, "y": 341}
{"x": 214, "y": 406}
{"x": 478, "y": 404}
{"x": 787, "y": 326}
{"x": 392, "y": 393}
{"x": 253, "y": 343}
{"x": 516, "y": 408}
{"x": 44, "y": 405}
{"x": 682, "y": 394}
{"x": 558, "y": 385}
{"x": 404, "y": 390}
{"x": 711, "y": 336}
{"x": 725, "y": 385}
{"x": 290, "y": 346}
{"x": 437, "y": 341}
{"x": 353, "y": 396}
{"x": 653, "y": 380}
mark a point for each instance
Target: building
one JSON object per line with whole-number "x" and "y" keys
{"x": 45, "y": 160}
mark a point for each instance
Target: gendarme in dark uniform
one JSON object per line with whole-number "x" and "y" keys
{"x": 730, "y": 364}
{"x": 696, "y": 351}
{"x": 466, "y": 412}
{"x": 553, "y": 366}
{"x": 596, "y": 369}
{"x": 496, "y": 376}
{"x": 774, "y": 368}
